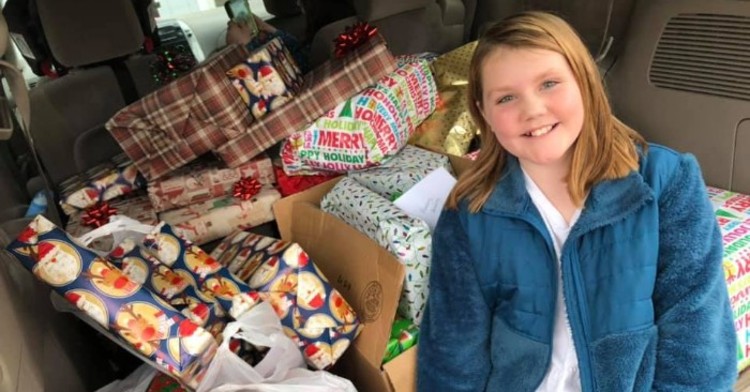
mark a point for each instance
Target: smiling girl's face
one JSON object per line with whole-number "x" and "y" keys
{"x": 532, "y": 103}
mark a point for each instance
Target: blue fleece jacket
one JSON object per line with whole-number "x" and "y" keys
{"x": 642, "y": 280}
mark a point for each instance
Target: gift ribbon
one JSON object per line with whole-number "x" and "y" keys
{"x": 98, "y": 215}
{"x": 246, "y": 188}
{"x": 352, "y": 37}
{"x": 289, "y": 185}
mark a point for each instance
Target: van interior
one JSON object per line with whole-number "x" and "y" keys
{"x": 677, "y": 71}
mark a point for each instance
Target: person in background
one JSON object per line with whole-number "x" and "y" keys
{"x": 241, "y": 34}
{"x": 573, "y": 256}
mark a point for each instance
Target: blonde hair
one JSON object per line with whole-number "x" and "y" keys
{"x": 605, "y": 148}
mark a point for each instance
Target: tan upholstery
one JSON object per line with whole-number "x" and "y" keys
{"x": 595, "y": 20}
{"x": 82, "y": 32}
{"x": 409, "y": 26}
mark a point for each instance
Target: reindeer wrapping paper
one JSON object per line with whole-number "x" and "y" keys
{"x": 313, "y": 314}
{"x": 124, "y": 308}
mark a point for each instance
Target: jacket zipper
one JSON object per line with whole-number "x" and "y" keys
{"x": 551, "y": 252}
{"x": 574, "y": 292}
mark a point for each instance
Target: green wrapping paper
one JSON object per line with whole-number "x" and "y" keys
{"x": 126, "y": 310}
{"x": 400, "y": 173}
{"x": 408, "y": 239}
{"x": 313, "y": 314}
{"x": 366, "y": 129}
{"x": 404, "y": 335}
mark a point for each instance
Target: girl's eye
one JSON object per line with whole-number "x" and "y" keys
{"x": 549, "y": 84}
{"x": 505, "y": 99}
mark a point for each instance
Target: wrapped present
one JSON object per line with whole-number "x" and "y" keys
{"x": 402, "y": 172}
{"x": 178, "y": 289}
{"x": 101, "y": 183}
{"x": 313, "y": 314}
{"x": 366, "y": 129}
{"x": 184, "y": 119}
{"x": 408, "y": 239}
{"x": 404, "y": 335}
{"x": 212, "y": 279}
{"x": 137, "y": 207}
{"x": 289, "y": 185}
{"x": 323, "y": 88}
{"x": 733, "y": 215}
{"x": 204, "y": 180}
{"x": 450, "y": 129}
{"x": 731, "y": 204}
{"x": 123, "y": 308}
{"x": 267, "y": 79}
{"x": 164, "y": 383}
{"x": 217, "y": 218}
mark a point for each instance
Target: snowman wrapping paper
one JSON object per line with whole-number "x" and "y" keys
{"x": 408, "y": 239}
{"x": 217, "y": 218}
{"x": 366, "y": 129}
{"x": 267, "y": 79}
{"x": 121, "y": 306}
{"x": 205, "y": 179}
{"x": 397, "y": 175}
{"x": 313, "y": 314}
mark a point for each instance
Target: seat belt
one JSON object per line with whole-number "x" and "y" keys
{"x": 20, "y": 94}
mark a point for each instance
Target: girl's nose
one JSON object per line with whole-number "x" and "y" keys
{"x": 533, "y": 106}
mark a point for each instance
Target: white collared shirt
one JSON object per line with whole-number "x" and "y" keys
{"x": 562, "y": 374}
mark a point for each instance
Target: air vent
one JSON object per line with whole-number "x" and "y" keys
{"x": 706, "y": 54}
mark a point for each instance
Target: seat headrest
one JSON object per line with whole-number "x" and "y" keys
{"x": 282, "y": 8}
{"x": 4, "y": 37}
{"x": 370, "y": 10}
{"x": 82, "y": 32}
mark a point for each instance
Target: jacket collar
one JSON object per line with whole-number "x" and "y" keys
{"x": 607, "y": 202}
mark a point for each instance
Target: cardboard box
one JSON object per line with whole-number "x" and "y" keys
{"x": 368, "y": 276}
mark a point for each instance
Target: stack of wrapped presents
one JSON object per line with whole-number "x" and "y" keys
{"x": 165, "y": 248}
{"x": 342, "y": 162}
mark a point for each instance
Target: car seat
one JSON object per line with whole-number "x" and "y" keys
{"x": 412, "y": 26}
{"x": 98, "y": 41}
{"x": 601, "y": 24}
{"x": 41, "y": 349}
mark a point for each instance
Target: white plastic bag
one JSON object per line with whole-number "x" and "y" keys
{"x": 281, "y": 370}
{"x": 119, "y": 227}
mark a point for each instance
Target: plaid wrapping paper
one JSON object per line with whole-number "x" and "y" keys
{"x": 203, "y": 180}
{"x": 323, "y": 88}
{"x": 185, "y": 119}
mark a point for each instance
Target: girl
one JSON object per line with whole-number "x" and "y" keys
{"x": 573, "y": 257}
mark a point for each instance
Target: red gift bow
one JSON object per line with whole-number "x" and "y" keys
{"x": 352, "y": 37}
{"x": 98, "y": 215}
{"x": 246, "y": 188}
